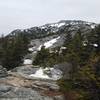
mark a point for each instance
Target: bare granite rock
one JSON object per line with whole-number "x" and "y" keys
{"x": 3, "y": 72}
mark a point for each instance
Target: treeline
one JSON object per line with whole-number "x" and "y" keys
{"x": 12, "y": 50}
{"x": 83, "y": 52}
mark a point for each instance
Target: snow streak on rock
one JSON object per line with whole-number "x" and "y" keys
{"x": 49, "y": 43}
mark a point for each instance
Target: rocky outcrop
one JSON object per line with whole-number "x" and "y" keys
{"x": 8, "y": 92}
{"x": 18, "y": 86}
{"x": 3, "y": 72}
{"x": 29, "y": 71}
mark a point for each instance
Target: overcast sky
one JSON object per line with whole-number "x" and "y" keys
{"x": 28, "y": 13}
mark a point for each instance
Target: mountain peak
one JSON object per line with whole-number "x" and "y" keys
{"x": 58, "y": 27}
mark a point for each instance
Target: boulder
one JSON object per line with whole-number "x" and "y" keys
{"x": 3, "y": 72}
{"x": 4, "y": 89}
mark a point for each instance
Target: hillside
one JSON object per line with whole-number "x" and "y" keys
{"x": 56, "y": 61}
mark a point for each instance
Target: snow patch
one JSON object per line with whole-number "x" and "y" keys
{"x": 40, "y": 74}
{"x": 63, "y": 48}
{"x": 39, "y": 48}
{"x": 27, "y": 62}
{"x": 95, "y": 45}
{"x": 55, "y": 74}
{"x": 84, "y": 44}
{"x": 30, "y": 49}
{"x": 49, "y": 43}
{"x": 92, "y": 26}
{"x": 57, "y": 25}
{"x": 61, "y": 24}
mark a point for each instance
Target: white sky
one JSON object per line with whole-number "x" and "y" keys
{"x": 20, "y": 14}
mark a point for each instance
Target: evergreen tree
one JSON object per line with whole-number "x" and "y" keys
{"x": 42, "y": 57}
{"x": 68, "y": 39}
{"x": 94, "y": 38}
{"x": 13, "y": 51}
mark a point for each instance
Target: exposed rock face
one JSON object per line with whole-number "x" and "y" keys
{"x": 30, "y": 71}
{"x": 18, "y": 86}
{"x": 30, "y": 90}
{"x": 3, "y": 72}
{"x": 8, "y": 92}
{"x": 25, "y": 70}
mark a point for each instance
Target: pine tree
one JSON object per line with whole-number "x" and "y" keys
{"x": 13, "y": 51}
{"x": 42, "y": 57}
{"x": 94, "y": 38}
{"x": 68, "y": 39}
